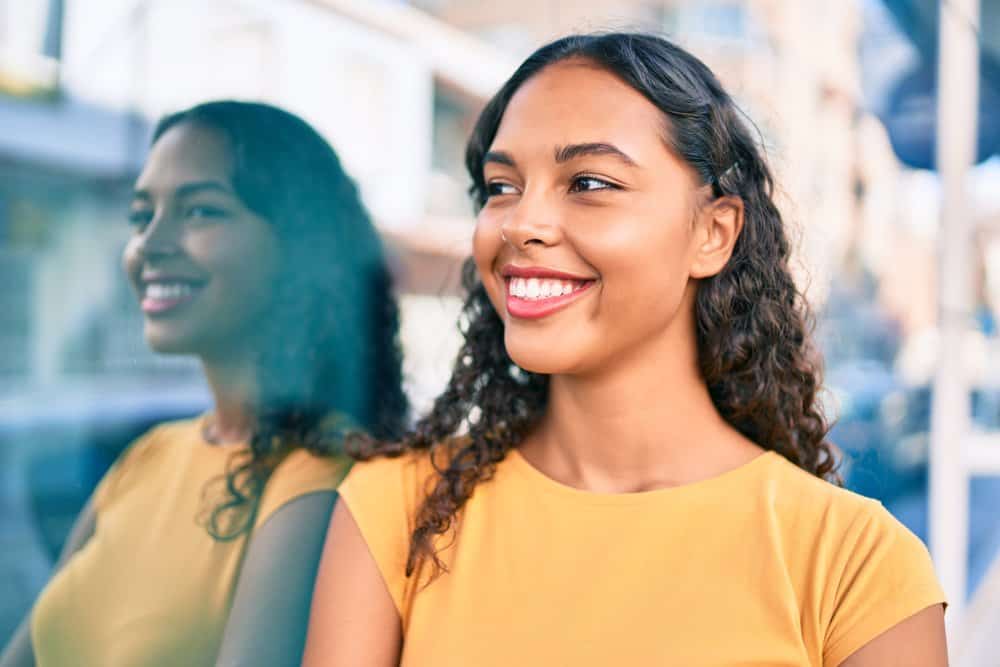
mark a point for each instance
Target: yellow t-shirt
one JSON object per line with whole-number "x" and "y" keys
{"x": 152, "y": 587}
{"x": 763, "y": 565}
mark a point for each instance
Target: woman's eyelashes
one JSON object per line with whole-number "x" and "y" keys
{"x": 139, "y": 218}
{"x": 585, "y": 183}
{"x": 205, "y": 213}
{"x": 578, "y": 184}
{"x": 498, "y": 188}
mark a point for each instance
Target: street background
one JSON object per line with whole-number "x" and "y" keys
{"x": 842, "y": 92}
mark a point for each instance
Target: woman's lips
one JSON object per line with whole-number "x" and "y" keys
{"x": 162, "y": 297}
{"x": 540, "y": 296}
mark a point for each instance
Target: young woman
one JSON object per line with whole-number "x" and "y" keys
{"x": 251, "y": 250}
{"x": 627, "y": 467}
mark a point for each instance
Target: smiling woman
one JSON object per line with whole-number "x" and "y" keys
{"x": 251, "y": 251}
{"x": 629, "y": 465}
{"x": 203, "y": 264}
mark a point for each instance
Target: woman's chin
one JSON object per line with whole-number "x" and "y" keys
{"x": 168, "y": 342}
{"x": 541, "y": 361}
{"x": 168, "y": 347}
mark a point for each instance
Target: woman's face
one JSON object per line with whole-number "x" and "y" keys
{"x": 588, "y": 242}
{"x": 201, "y": 263}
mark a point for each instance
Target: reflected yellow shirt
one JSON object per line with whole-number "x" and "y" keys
{"x": 763, "y": 565}
{"x": 152, "y": 588}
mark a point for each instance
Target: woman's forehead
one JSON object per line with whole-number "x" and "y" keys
{"x": 184, "y": 153}
{"x": 576, "y": 102}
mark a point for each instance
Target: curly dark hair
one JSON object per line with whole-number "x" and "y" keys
{"x": 332, "y": 359}
{"x": 753, "y": 324}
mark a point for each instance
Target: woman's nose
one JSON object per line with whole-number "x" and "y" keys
{"x": 159, "y": 239}
{"x": 533, "y": 222}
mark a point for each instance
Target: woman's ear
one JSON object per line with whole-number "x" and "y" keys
{"x": 719, "y": 225}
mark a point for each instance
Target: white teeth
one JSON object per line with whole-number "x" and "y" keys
{"x": 517, "y": 287}
{"x": 168, "y": 291}
{"x": 533, "y": 289}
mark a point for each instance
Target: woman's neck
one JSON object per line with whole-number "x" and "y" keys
{"x": 233, "y": 386}
{"x": 648, "y": 422}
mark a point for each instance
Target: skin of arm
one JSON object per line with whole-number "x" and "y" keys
{"x": 270, "y": 612}
{"x": 918, "y": 641}
{"x": 354, "y": 621}
{"x": 19, "y": 651}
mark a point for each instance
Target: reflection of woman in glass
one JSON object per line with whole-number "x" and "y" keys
{"x": 629, "y": 457}
{"x": 252, "y": 251}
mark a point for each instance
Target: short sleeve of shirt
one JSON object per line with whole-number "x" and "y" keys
{"x": 299, "y": 474}
{"x": 381, "y": 495}
{"x": 886, "y": 576}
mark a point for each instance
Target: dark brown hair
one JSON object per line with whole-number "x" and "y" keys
{"x": 753, "y": 325}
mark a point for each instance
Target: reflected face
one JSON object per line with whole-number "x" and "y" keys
{"x": 201, "y": 263}
{"x": 586, "y": 242}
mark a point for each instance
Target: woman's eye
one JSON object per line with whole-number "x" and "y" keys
{"x": 590, "y": 184}
{"x": 497, "y": 188}
{"x": 139, "y": 219}
{"x": 205, "y": 213}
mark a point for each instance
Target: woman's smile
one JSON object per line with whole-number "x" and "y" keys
{"x": 586, "y": 226}
{"x": 162, "y": 294}
{"x": 537, "y": 292}
{"x": 201, "y": 262}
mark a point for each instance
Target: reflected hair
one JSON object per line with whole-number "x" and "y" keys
{"x": 753, "y": 325}
{"x": 331, "y": 360}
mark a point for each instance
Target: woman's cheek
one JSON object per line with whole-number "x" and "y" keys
{"x": 486, "y": 232}
{"x": 132, "y": 263}
{"x": 486, "y": 247}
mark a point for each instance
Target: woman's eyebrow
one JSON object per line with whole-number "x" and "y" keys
{"x": 187, "y": 189}
{"x": 499, "y": 157}
{"x": 567, "y": 153}
{"x": 196, "y": 187}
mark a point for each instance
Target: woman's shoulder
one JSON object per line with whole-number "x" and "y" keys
{"x": 163, "y": 435}
{"x": 409, "y": 465}
{"x": 797, "y": 491}
{"x": 384, "y": 493}
{"x": 169, "y": 438}
{"x": 145, "y": 455}
{"x": 869, "y": 570}
{"x": 822, "y": 518}
{"x": 383, "y": 496}
{"x": 300, "y": 473}
{"x": 844, "y": 524}
{"x": 302, "y": 463}
{"x": 393, "y": 483}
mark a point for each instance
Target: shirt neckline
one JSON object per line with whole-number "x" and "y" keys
{"x": 201, "y": 423}
{"x": 552, "y": 487}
